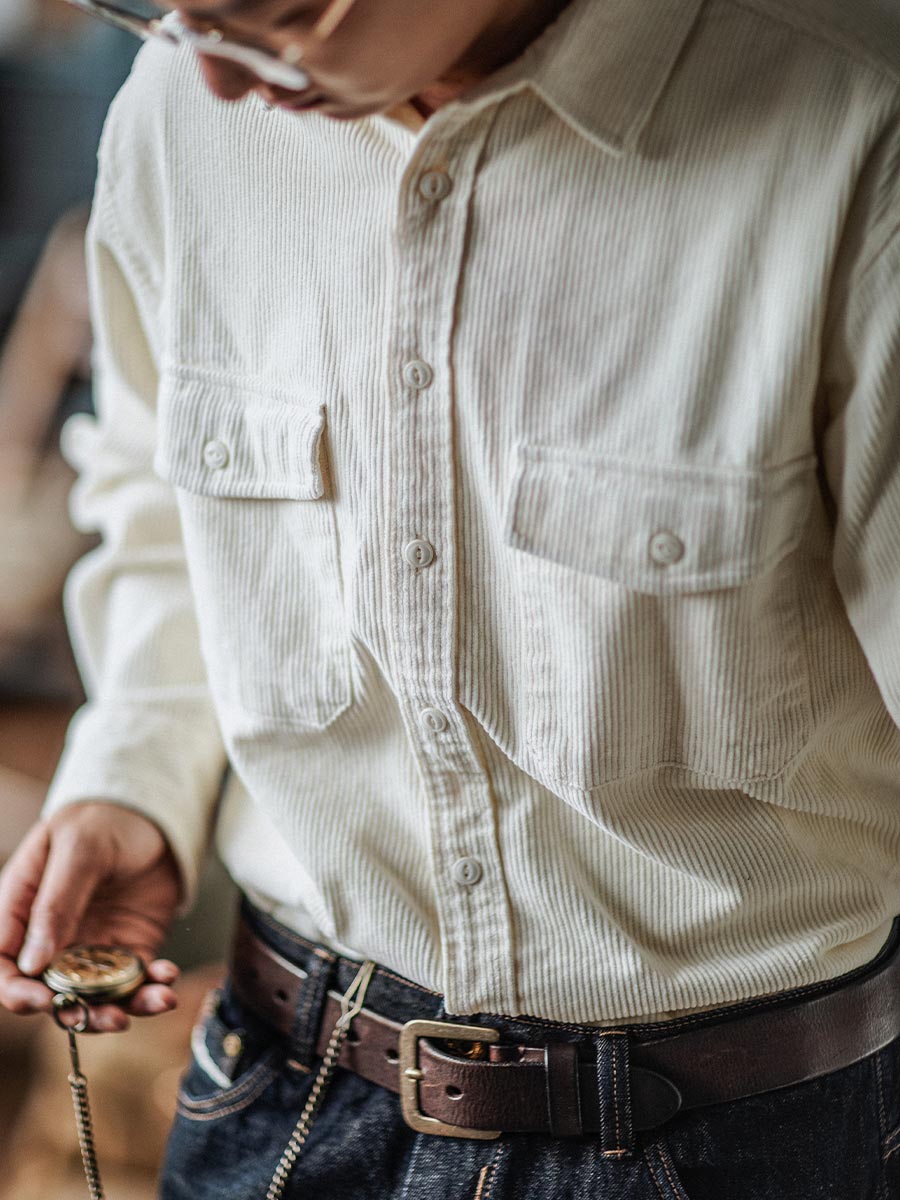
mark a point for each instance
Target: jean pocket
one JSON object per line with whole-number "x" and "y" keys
{"x": 231, "y": 1066}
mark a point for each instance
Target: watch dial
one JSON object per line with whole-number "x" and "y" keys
{"x": 95, "y": 968}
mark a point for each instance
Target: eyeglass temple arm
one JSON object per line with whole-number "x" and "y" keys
{"x": 140, "y": 28}
{"x": 331, "y": 18}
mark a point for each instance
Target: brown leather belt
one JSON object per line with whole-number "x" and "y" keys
{"x": 551, "y": 1089}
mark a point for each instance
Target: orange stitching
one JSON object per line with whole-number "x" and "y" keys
{"x": 400, "y": 979}
{"x": 481, "y": 1177}
{"x": 495, "y": 1162}
{"x": 891, "y": 1139}
{"x": 656, "y": 1182}
{"x": 616, "y": 1094}
{"x": 667, "y": 1162}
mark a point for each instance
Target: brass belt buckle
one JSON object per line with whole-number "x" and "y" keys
{"x": 410, "y": 1074}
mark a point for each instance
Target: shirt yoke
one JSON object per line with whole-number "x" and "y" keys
{"x": 866, "y": 30}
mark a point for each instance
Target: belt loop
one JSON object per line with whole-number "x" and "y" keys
{"x": 562, "y": 1093}
{"x": 614, "y": 1095}
{"x": 308, "y": 1016}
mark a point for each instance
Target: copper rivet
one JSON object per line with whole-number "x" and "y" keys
{"x": 232, "y": 1044}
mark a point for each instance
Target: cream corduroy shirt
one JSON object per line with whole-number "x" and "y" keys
{"x": 514, "y": 504}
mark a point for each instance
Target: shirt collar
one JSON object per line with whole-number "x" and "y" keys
{"x": 601, "y": 65}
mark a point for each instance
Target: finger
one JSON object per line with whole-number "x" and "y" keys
{"x": 71, "y": 875}
{"x": 19, "y": 883}
{"x": 151, "y": 1000}
{"x": 102, "y": 1018}
{"x": 163, "y": 970}
{"x": 20, "y": 994}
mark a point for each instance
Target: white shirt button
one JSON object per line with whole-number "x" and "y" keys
{"x": 418, "y": 374}
{"x": 435, "y": 185}
{"x": 433, "y": 720}
{"x": 666, "y": 549}
{"x": 467, "y": 871}
{"x": 419, "y": 553}
{"x": 215, "y": 455}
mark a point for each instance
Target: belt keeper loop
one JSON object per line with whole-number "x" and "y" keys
{"x": 563, "y": 1095}
{"x": 614, "y": 1095}
{"x": 304, "y": 1034}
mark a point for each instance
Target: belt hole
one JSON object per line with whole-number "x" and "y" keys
{"x": 453, "y": 1092}
{"x": 281, "y": 996}
{"x": 353, "y": 1037}
{"x": 392, "y": 1056}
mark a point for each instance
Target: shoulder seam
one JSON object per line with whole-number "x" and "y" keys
{"x": 779, "y": 12}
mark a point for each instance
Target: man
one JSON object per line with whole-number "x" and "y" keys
{"x": 496, "y": 460}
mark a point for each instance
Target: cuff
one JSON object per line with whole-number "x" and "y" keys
{"x": 168, "y": 766}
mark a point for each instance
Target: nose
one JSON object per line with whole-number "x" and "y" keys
{"x": 227, "y": 80}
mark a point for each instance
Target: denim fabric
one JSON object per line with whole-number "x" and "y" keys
{"x": 834, "y": 1138}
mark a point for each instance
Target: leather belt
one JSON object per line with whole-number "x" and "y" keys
{"x": 552, "y": 1089}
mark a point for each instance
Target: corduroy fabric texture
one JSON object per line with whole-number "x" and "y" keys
{"x": 515, "y": 504}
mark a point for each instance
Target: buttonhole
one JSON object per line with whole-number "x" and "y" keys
{"x": 453, "y": 1092}
{"x": 281, "y": 996}
{"x": 392, "y": 1056}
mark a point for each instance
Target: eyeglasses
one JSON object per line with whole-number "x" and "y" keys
{"x": 280, "y": 69}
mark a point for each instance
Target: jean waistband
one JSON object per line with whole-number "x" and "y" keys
{"x": 395, "y": 996}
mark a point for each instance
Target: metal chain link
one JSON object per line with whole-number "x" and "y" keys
{"x": 351, "y": 1002}
{"x": 78, "y": 1084}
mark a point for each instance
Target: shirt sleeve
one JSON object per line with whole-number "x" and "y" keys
{"x": 148, "y": 737}
{"x": 862, "y": 435}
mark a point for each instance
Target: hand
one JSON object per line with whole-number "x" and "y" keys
{"x": 93, "y": 873}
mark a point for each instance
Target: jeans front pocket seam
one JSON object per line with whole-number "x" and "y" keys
{"x": 890, "y": 1145}
{"x": 233, "y": 1100}
{"x": 656, "y": 1157}
{"x": 488, "y": 1173}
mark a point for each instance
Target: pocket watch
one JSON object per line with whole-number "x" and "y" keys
{"x": 81, "y": 976}
{"x": 96, "y": 974}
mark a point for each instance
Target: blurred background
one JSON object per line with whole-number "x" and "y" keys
{"x": 58, "y": 73}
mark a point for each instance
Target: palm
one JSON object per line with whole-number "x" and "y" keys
{"x": 133, "y": 911}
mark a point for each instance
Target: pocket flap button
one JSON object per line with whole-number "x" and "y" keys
{"x": 215, "y": 455}
{"x": 666, "y": 549}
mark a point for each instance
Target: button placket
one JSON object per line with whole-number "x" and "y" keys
{"x": 430, "y": 248}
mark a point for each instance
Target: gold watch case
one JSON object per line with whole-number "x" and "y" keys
{"x": 96, "y": 973}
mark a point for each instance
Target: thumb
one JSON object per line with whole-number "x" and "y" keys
{"x": 73, "y": 870}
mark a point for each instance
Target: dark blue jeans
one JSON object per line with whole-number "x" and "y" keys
{"x": 833, "y": 1138}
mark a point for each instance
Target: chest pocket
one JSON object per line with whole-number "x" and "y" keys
{"x": 261, "y": 540}
{"x": 660, "y": 618}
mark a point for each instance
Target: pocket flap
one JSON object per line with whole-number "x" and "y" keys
{"x": 218, "y": 438}
{"x": 657, "y": 529}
